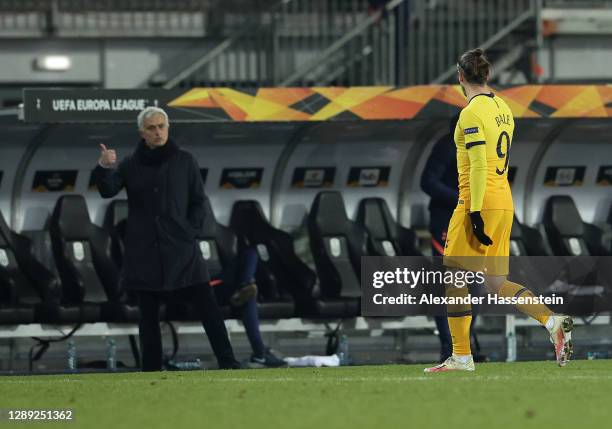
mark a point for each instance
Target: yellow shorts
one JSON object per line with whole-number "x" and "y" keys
{"x": 463, "y": 250}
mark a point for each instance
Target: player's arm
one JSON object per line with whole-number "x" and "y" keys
{"x": 475, "y": 144}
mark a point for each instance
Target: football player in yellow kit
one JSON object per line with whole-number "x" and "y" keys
{"x": 478, "y": 237}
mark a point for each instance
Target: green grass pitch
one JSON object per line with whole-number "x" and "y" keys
{"x": 498, "y": 395}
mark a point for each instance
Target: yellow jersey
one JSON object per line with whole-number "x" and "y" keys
{"x": 483, "y": 137}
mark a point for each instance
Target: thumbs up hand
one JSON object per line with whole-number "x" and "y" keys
{"x": 108, "y": 157}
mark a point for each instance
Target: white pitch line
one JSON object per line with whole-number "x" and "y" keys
{"x": 431, "y": 377}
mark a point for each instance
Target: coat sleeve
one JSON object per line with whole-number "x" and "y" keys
{"x": 110, "y": 181}
{"x": 199, "y": 207}
{"x": 432, "y": 180}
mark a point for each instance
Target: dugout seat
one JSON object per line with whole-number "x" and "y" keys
{"x": 526, "y": 267}
{"x": 281, "y": 276}
{"x": 567, "y": 234}
{"x": 389, "y": 238}
{"x": 385, "y": 236}
{"x": 29, "y": 292}
{"x": 607, "y": 238}
{"x": 115, "y": 222}
{"x": 15, "y": 290}
{"x": 285, "y": 270}
{"x": 526, "y": 241}
{"x": 585, "y": 289}
{"x": 337, "y": 245}
{"x": 82, "y": 253}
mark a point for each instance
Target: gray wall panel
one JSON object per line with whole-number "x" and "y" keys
{"x": 14, "y": 140}
{"x": 221, "y": 146}
{"x": 585, "y": 143}
{"x": 404, "y": 146}
{"x": 377, "y": 144}
{"x": 70, "y": 148}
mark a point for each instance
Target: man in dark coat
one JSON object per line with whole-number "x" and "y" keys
{"x": 166, "y": 209}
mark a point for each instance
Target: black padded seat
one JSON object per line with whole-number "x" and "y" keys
{"x": 607, "y": 239}
{"x": 338, "y": 307}
{"x": 596, "y": 240}
{"x": 12, "y": 283}
{"x": 526, "y": 241}
{"x": 115, "y": 222}
{"x": 282, "y": 269}
{"x": 337, "y": 245}
{"x": 82, "y": 251}
{"x": 386, "y": 236}
{"x": 567, "y": 234}
{"x": 283, "y": 281}
{"x": 29, "y": 292}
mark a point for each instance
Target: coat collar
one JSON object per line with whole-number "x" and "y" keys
{"x": 156, "y": 156}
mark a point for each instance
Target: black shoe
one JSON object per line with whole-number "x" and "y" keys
{"x": 234, "y": 364}
{"x": 242, "y": 295}
{"x": 268, "y": 360}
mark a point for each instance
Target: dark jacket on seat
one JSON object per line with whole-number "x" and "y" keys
{"x": 166, "y": 209}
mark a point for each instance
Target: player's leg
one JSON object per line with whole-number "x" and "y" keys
{"x": 459, "y": 316}
{"x": 499, "y": 224}
{"x": 559, "y": 326}
{"x": 501, "y": 286}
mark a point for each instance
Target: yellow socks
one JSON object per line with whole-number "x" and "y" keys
{"x": 460, "y": 333}
{"x": 539, "y": 312}
{"x": 459, "y": 321}
{"x": 460, "y": 315}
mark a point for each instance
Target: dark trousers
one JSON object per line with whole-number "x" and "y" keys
{"x": 249, "y": 313}
{"x": 438, "y": 226}
{"x": 203, "y": 299}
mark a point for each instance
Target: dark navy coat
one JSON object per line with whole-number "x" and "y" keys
{"x": 166, "y": 209}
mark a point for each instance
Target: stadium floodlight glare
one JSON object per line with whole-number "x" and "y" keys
{"x": 53, "y": 63}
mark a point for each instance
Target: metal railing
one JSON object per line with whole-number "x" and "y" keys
{"x": 578, "y": 4}
{"x": 124, "y": 18}
{"x": 289, "y": 42}
{"x": 366, "y": 55}
{"x": 414, "y": 42}
{"x": 24, "y": 18}
{"x": 485, "y": 26}
{"x": 274, "y": 44}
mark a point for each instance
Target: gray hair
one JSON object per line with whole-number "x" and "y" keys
{"x": 148, "y": 112}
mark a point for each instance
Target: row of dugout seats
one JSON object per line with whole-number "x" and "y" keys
{"x": 561, "y": 233}
{"x": 88, "y": 259}
{"x": 314, "y": 272}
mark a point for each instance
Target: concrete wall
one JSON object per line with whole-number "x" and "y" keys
{"x": 577, "y": 58}
{"x": 123, "y": 63}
